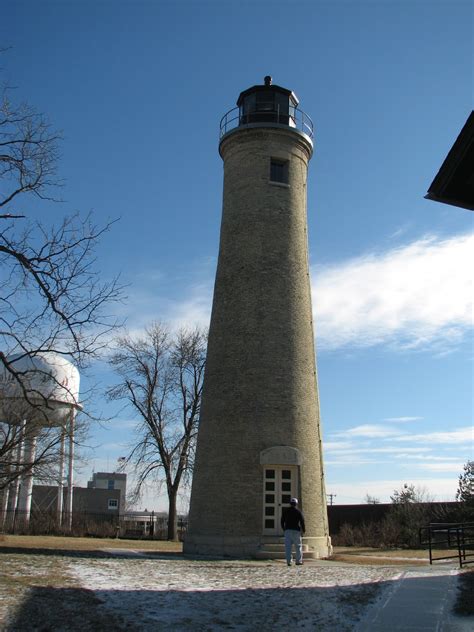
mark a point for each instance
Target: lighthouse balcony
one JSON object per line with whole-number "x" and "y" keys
{"x": 266, "y": 115}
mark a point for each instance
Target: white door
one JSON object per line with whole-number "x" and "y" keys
{"x": 279, "y": 486}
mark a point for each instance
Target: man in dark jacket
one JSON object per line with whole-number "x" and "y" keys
{"x": 292, "y": 523}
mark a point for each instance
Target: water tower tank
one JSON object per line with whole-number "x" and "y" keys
{"x": 48, "y": 391}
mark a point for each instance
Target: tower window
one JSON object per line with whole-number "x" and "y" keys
{"x": 279, "y": 171}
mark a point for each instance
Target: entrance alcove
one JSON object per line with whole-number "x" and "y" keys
{"x": 280, "y": 466}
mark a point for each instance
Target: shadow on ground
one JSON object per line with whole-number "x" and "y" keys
{"x": 341, "y": 608}
{"x": 48, "y": 609}
{"x": 93, "y": 553}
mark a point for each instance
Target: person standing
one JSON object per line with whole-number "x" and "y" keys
{"x": 292, "y": 523}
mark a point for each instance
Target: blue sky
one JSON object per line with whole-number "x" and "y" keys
{"x": 139, "y": 88}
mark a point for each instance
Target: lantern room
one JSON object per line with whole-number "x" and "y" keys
{"x": 267, "y": 103}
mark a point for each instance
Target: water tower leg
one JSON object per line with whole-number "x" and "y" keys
{"x": 70, "y": 470}
{"x": 6, "y": 495}
{"x": 16, "y": 483}
{"x": 62, "y": 448}
{"x": 26, "y": 489}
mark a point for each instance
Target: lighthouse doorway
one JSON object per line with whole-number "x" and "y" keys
{"x": 280, "y": 484}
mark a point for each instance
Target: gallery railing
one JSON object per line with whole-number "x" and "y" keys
{"x": 296, "y": 119}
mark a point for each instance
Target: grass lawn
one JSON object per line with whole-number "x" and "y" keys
{"x": 64, "y": 543}
{"x": 355, "y": 555}
{"x": 35, "y": 577}
{"x": 366, "y": 555}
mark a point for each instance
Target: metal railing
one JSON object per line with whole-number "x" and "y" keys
{"x": 297, "y": 119}
{"x": 449, "y": 536}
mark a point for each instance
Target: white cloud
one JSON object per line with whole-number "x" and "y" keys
{"x": 400, "y": 451}
{"x": 147, "y": 305}
{"x": 460, "y": 436}
{"x": 400, "y": 231}
{"x": 416, "y": 454}
{"x": 378, "y": 444}
{"x": 455, "y": 467}
{"x": 401, "y": 420}
{"x": 338, "y": 446}
{"x": 195, "y": 310}
{"x": 370, "y": 431}
{"x": 117, "y": 447}
{"x": 352, "y": 461}
{"x": 413, "y": 296}
{"x": 124, "y": 424}
{"x": 440, "y": 489}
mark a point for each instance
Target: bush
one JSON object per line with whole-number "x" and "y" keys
{"x": 367, "y": 534}
{"x": 408, "y": 518}
{"x": 399, "y": 529}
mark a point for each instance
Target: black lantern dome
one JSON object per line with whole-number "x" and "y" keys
{"x": 267, "y": 103}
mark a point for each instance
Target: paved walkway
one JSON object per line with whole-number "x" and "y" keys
{"x": 421, "y": 601}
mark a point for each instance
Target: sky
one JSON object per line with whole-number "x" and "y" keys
{"x": 139, "y": 88}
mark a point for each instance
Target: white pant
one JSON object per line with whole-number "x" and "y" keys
{"x": 292, "y": 536}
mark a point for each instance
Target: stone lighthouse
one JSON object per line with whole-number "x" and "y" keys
{"x": 259, "y": 441}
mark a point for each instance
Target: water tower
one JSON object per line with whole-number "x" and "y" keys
{"x": 37, "y": 392}
{"x": 259, "y": 440}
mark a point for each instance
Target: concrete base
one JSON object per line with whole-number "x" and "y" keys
{"x": 318, "y": 548}
{"x": 313, "y": 548}
{"x": 253, "y": 547}
{"x": 221, "y": 546}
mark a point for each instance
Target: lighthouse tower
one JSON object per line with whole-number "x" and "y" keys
{"x": 259, "y": 441}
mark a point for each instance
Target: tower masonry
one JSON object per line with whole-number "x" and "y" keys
{"x": 259, "y": 441}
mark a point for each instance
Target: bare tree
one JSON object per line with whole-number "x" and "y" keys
{"x": 51, "y": 295}
{"x": 29, "y": 154}
{"x": 371, "y": 500}
{"x": 52, "y": 298}
{"x": 410, "y": 510}
{"x": 161, "y": 377}
{"x": 404, "y": 495}
{"x": 410, "y": 494}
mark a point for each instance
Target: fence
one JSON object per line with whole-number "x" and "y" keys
{"x": 449, "y": 536}
{"x": 355, "y": 515}
{"x": 134, "y": 525}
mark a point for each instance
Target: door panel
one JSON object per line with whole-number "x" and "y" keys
{"x": 279, "y": 486}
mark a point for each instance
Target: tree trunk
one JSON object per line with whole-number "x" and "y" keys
{"x": 172, "y": 515}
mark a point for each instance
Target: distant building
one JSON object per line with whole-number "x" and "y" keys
{"x": 85, "y": 500}
{"x": 145, "y": 523}
{"x": 105, "y": 494}
{"x": 110, "y": 481}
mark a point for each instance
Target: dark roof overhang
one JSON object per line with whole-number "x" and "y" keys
{"x": 454, "y": 182}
